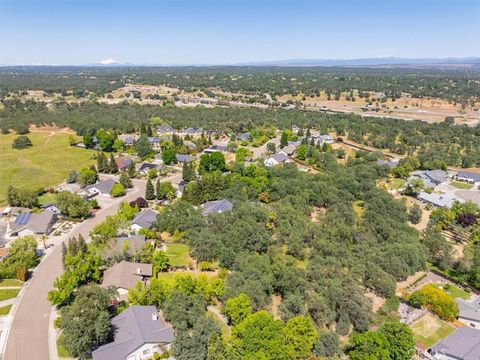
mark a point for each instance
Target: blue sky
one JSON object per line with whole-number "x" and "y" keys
{"x": 219, "y": 32}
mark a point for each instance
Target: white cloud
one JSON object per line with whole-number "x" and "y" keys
{"x": 109, "y": 61}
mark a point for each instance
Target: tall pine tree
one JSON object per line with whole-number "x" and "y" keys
{"x": 283, "y": 140}
{"x": 102, "y": 163}
{"x": 112, "y": 165}
{"x": 150, "y": 191}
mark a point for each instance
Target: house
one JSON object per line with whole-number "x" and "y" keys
{"x": 438, "y": 200}
{"x": 217, "y": 206}
{"x": 462, "y": 344}
{"x": 133, "y": 243}
{"x": 276, "y": 159}
{"x": 289, "y": 150}
{"x": 165, "y": 129}
{"x": 181, "y": 158}
{"x": 469, "y": 312}
{"x": 140, "y": 333}
{"x": 33, "y": 224}
{"x": 390, "y": 163}
{"x": 181, "y": 188}
{"x": 432, "y": 178}
{"x": 154, "y": 141}
{"x": 144, "y": 220}
{"x": 122, "y": 163}
{"x": 145, "y": 167}
{"x": 322, "y": 139}
{"x": 102, "y": 187}
{"x": 243, "y": 137}
{"x": 52, "y": 207}
{"x": 216, "y": 148}
{"x": 295, "y": 143}
{"x": 469, "y": 176}
{"x": 193, "y": 131}
{"x": 125, "y": 275}
{"x": 128, "y": 139}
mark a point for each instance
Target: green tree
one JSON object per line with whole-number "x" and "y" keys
{"x": 415, "y": 214}
{"x": 149, "y": 191}
{"x": 105, "y": 140}
{"x": 216, "y": 348}
{"x": 165, "y": 190}
{"x": 237, "y": 308}
{"x": 102, "y": 163}
{"x": 21, "y": 142}
{"x": 302, "y": 152}
{"x": 125, "y": 180}
{"x": 22, "y": 197}
{"x": 284, "y": 139}
{"x": 112, "y": 165}
{"x": 327, "y": 345}
{"x": 118, "y": 190}
{"x": 73, "y": 205}
{"x": 143, "y": 146}
{"x": 369, "y": 345}
{"x": 86, "y": 177}
{"x": 212, "y": 162}
{"x": 300, "y": 336}
{"x": 169, "y": 156}
{"x": 131, "y": 170}
{"x": 86, "y": 323}
{"x": 271, "y": 148}
{"x": 160, "y": 262}
{"x": 400, "y": 339}
{"x": 188, "y": 172}
{"x": 260, "y": 336}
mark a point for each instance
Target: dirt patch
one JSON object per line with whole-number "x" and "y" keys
{"x": 377, "y": 301}
{"x": 276, "y": 301}
{"x": 316, "y": 213}
{"x": 403, "y": 285}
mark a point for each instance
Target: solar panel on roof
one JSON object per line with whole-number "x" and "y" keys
{"x": 23, "y": 219}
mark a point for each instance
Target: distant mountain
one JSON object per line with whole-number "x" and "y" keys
{"x": 380, "y": 61}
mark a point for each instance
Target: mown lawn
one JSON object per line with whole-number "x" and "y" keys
{"x": 6, "y": 294}
{"x": 10, "y": 282}
{"x": 5, "y": 310}
{"x": 461, "y": 185}
{"x": 178, "y": 254}
{"x": 454, "y": 291}
{"x": 44, "y": 164}
{"x": 47, "y": 198}
{"x": 430, "y": 329}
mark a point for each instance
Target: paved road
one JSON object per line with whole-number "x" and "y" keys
{"x": 28, "y": 337}
{"x": 259, "y": 151}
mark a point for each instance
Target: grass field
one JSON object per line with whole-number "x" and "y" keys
{"x": 454, "y": 291}
{"x": 5, "y": 310}
{"x": 47, "y": 198}
{"x": 178, "y": 254}
{"x": 44, "y": 164}
{"x": 10, "y": 282}
{"x": 461, "y": 185}
{"x": 430, "y": 329}
{"x": 6, "y": 294}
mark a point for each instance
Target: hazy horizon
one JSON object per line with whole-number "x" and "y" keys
{"x": 214, "y": 32}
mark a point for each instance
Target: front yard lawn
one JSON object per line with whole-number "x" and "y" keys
{"x": 454, "y": 291}
{"x": 10, "y": 282}
{"x": 6, "y": 294}
{"x": 178, "y": 255}
{"x": 461, "y": 185}
{"x": 429, "y": 329}
{"x": 5, "y": 310}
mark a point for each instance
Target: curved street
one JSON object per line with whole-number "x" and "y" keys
{"x": 28, "y": 337}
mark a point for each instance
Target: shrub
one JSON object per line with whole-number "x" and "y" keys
{"x": 206, "y": 266}
{"x": 22, "y": 273}
{"x": 21, "y": 142}
{"x": 117, "y": 190}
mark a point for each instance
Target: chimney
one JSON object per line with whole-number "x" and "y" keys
{"x": 154, "y": 316}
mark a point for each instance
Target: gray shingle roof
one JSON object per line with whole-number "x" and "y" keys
{"x": 136, "y": 326}
{"x": 469, "y": 310}
{"x": 462, "y": 344}
{"x": 145, "y": 218}
{"x": 389, "y": 163}
{"x": 36, "y": 223}
{"x": 217, "y": 206}
{"x": 440, "y": 200}
{"x": 126, "y": 274}
{"x": 146, "y": 166}
{"x": 472, "y": 176}
{"x": 105, "y": 186}
{"x": 184, "y": 158}
{"x": 279, "y": 157}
